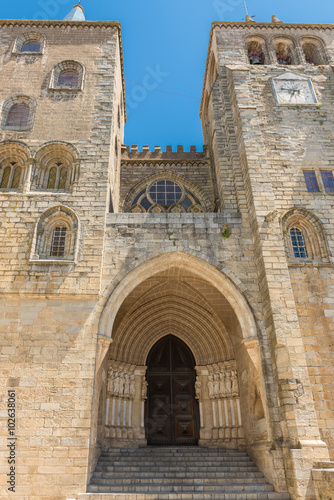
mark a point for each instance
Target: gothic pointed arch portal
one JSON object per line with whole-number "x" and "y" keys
{"x": 182, "y": 296}
{"x": 171, "y": 416}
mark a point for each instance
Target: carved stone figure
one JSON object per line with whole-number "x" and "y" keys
{"x": 144, "y": 386}
{"x": 210, "y": 386}
{"x": 235, "y": 384}
{"x": 198, "y": 388}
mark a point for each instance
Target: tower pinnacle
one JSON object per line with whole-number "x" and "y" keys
{"x": 76, "y": 14}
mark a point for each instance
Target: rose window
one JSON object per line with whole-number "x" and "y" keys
{"x": 166, "y": 196}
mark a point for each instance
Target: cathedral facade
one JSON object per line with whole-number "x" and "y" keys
{"x": 166, "y": 298}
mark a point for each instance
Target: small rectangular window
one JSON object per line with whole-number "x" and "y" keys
{"x": 311, "y": 181}
{"x": 328, "y": 180}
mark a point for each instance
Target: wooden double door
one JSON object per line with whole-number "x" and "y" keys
{"x": 171, "y": 410}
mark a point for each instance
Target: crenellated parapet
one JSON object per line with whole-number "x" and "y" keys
{"x": 132, "y": 153}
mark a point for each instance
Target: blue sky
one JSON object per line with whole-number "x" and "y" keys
{"x": 165, "y": 44}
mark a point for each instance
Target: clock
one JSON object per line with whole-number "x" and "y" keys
{"x": 290, "y": 89}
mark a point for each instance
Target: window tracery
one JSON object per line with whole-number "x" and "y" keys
{"x": 165, "y": 195}
{"x": 56, "y": 167}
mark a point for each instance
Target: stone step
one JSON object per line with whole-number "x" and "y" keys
{"x": 175, "y": 480}
{"x": 174, "y": 451}
{"x": 163, "y": 460}
{"x": 223, "y": 495}
{"x": 137, "y": 474}
{"x": 179, "y": 488}
{"x": 184, "y": 469}
{"x": 178, "y": 473}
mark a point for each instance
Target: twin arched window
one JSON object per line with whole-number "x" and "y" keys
{"x": 56, "y": 167}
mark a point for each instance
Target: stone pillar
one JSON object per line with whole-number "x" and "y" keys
{"x": 217, "y": 391}
{"x": 124, "y": 416}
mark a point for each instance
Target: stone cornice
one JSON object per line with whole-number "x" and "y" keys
{"x": 229, "y": 24}
{"x": 171, "y": 162}
{"x": 72, "y": 24}
{"x": 252, "y": 26}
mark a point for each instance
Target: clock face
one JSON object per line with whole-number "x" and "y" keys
{"x": 294, "y": 92}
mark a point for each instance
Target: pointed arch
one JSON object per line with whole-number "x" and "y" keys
{"x": 116, "y": 295}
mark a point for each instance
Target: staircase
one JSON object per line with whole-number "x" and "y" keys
{"x": 180, "y": 474}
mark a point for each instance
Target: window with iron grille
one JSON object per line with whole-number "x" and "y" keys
{"x": 298, "y": 243}
{"x": 311, "y": 181}
{"x": 328, "y": 180}
{"x": 58, "y": 242}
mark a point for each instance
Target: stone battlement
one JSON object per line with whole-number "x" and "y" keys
{"x": 132, "y": 153}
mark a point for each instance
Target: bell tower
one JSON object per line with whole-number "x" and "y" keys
{"x": 267, "y": 113}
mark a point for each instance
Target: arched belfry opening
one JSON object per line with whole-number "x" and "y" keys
{"x": 171, "y": 414}
{"x": 183, "y": 360}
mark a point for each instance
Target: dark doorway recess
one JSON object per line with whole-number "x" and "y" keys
{"x": 171, "y": 409}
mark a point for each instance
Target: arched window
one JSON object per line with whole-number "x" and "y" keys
{"x": 298, "y": 243}
{"x": 31, "y": 47}
{"x": 11, "y": 176}
{"x": 62, "y": 178}
{"x": 314, "y": 51}
{"x": 18, "y": 113}
{"x": 16, "y": 178}
{"x": 18, "y": 116}
{"x": 255, "y": 50}
{"x": 67, "y": 75}
{"x": 68, "y": 78}
{"x": 56, "y": 167}
{"x": 56, "y": 236}
{"x": 58, "y": 241}
{"x": 52, "y": 178}
{"x": 165, "y": 195}
{"x": 32, "y": 42}
{"x": 14, "y": 159}
{"x": 5, "y": 177}
{"x": 57, "y": 177}
{"x": 304, "y": 237}
{"x": 285, "y": 51}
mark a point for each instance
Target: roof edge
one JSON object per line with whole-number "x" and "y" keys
{"x": 75, "y": 24}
